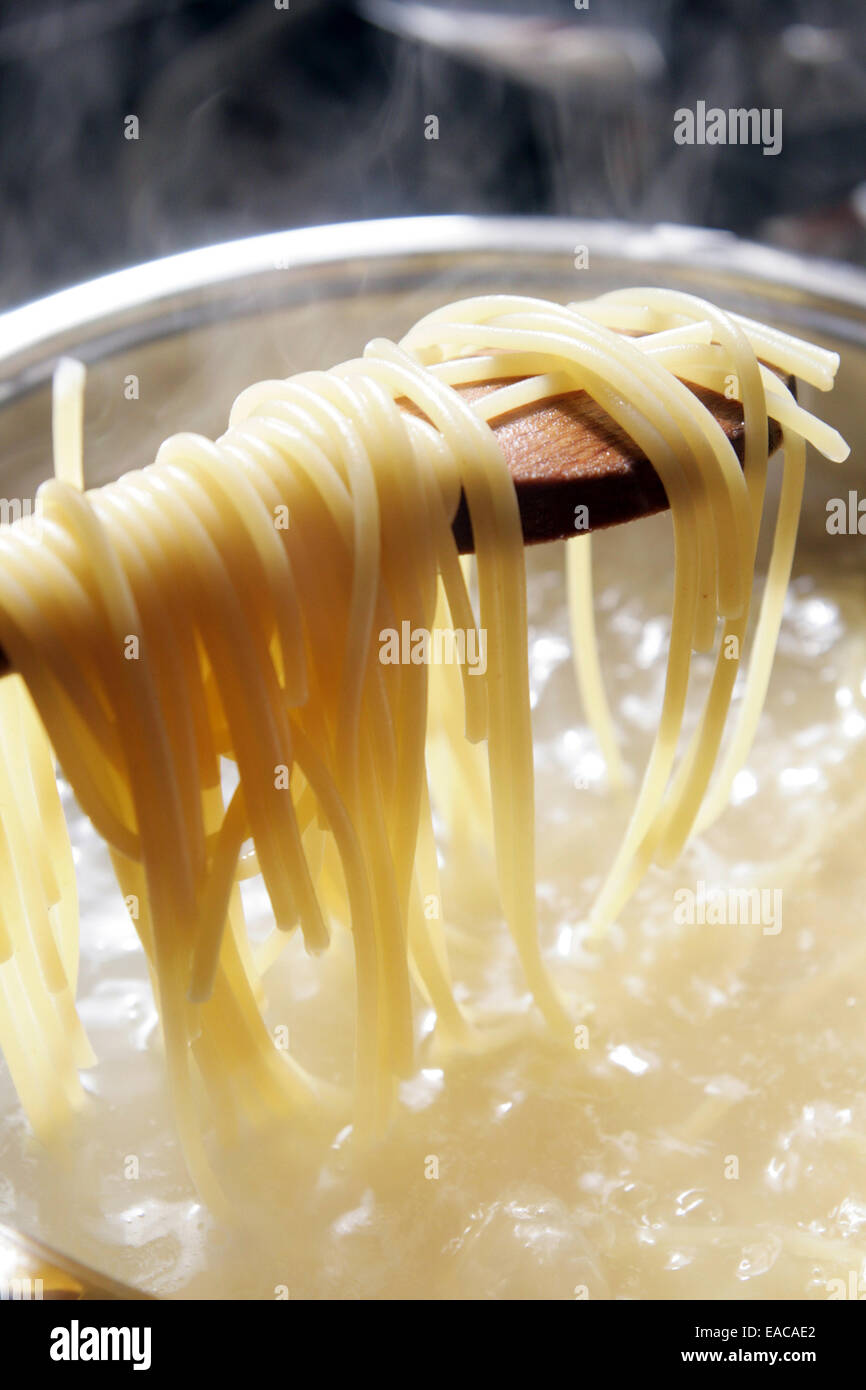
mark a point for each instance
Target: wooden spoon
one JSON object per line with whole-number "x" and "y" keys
{"x": 566, "y": 452}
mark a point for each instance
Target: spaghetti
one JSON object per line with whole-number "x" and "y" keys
{"x": 228, "y": 603}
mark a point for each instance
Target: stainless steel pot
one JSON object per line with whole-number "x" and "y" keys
{"x": 170, "y": 343}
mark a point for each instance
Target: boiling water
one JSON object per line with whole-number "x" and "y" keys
{"x": 704, "y": 1138}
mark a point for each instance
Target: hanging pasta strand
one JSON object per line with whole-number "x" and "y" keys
{"x": 232, "y": 601}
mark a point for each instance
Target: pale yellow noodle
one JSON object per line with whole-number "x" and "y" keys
{"x": 232, "y": 604}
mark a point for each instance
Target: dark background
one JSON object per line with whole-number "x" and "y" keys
{"x": 253, "y": 118}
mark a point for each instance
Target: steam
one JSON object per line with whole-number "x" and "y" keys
{"x": 252, "y": 118}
